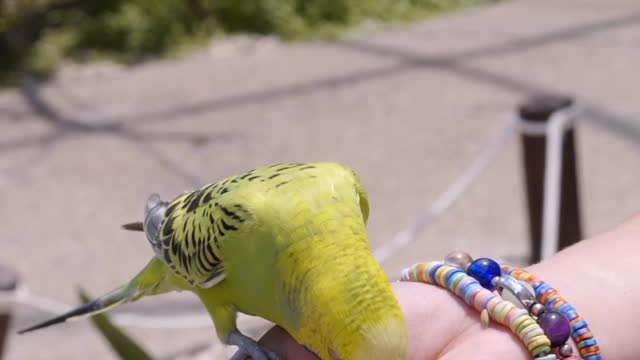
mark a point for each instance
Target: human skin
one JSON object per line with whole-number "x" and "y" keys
{"x": 599, "y": 276}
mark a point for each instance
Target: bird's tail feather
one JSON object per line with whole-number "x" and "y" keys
{"x": 147, "y": 282}
{"x": 101, "y": 304}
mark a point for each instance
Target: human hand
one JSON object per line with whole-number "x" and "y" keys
{"x": 440, "y": 327}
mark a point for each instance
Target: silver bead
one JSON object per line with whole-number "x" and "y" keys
{"x": 527, "y": 286}
{"x": 547, "y": 357}
{"x": 537, "y": 309}
{"x": 514, "y": 291}
{"x": 458, "y": 259}
{"x": 565, "y": 350}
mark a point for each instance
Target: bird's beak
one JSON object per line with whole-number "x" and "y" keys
{"x": 134, "y": 226}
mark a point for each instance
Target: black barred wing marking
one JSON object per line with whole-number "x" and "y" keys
{"x": 196, "y": 224}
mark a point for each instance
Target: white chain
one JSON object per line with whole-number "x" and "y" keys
{"x": 448, "y": 197}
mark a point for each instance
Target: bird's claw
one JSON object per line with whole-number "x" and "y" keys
{"x": 263, "y": 355}
{"x": 249, "y": 348}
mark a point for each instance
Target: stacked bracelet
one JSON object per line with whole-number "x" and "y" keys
{"x": 580, "y": 332}
{"x": 517, "y": 305}
{"x": 500, "y": 310}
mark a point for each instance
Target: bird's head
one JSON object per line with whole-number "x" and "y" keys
{"x": 154, "y": 212}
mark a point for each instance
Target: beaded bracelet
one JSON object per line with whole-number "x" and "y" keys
{"x": 580, "y": 332}
{"x": 500, "y": 310}
{"x": 517, "y": 305}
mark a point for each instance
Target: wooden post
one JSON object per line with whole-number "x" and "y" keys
{"x": 539, "y": 109}
{"x": 8, "y": 284}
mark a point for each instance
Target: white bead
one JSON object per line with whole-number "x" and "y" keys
{"x": 458, "y": 259}
{"x": 547, "y": 357}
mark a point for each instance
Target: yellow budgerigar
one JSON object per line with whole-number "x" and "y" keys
{"x": 285, "y": 242}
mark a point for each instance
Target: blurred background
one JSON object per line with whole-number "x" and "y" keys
{"x": 105, "y": 102}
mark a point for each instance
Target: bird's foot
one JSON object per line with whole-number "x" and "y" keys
{"x": 249, "y": 348}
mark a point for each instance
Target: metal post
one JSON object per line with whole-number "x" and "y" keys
{"x": 539, "y": 109}
{"x": 8, "y": 284}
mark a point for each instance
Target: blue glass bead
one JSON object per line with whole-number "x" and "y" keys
{"x": 556, "y": 326}
{"x": 484, "y": 270}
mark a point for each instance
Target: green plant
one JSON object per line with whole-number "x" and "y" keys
{"x": 37, "y": 35}
{"x": 121, "y": 343}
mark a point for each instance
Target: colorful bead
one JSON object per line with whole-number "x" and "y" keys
{"x": 484, "y": 270}
{"x": 593, "y": 357}
{"x": 484, "y": 318}
{"x": 556, "y": 326}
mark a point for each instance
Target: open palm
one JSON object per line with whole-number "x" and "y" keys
{"x": 441, "y": 327}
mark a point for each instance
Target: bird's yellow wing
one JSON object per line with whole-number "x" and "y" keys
{"x": 196, "y": 225}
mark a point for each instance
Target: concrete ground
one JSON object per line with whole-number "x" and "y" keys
{"x": 409, "y": 108}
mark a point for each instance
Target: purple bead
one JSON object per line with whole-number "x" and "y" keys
{"x": 484, "y": 270}
{"x": 556, "y": 326}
